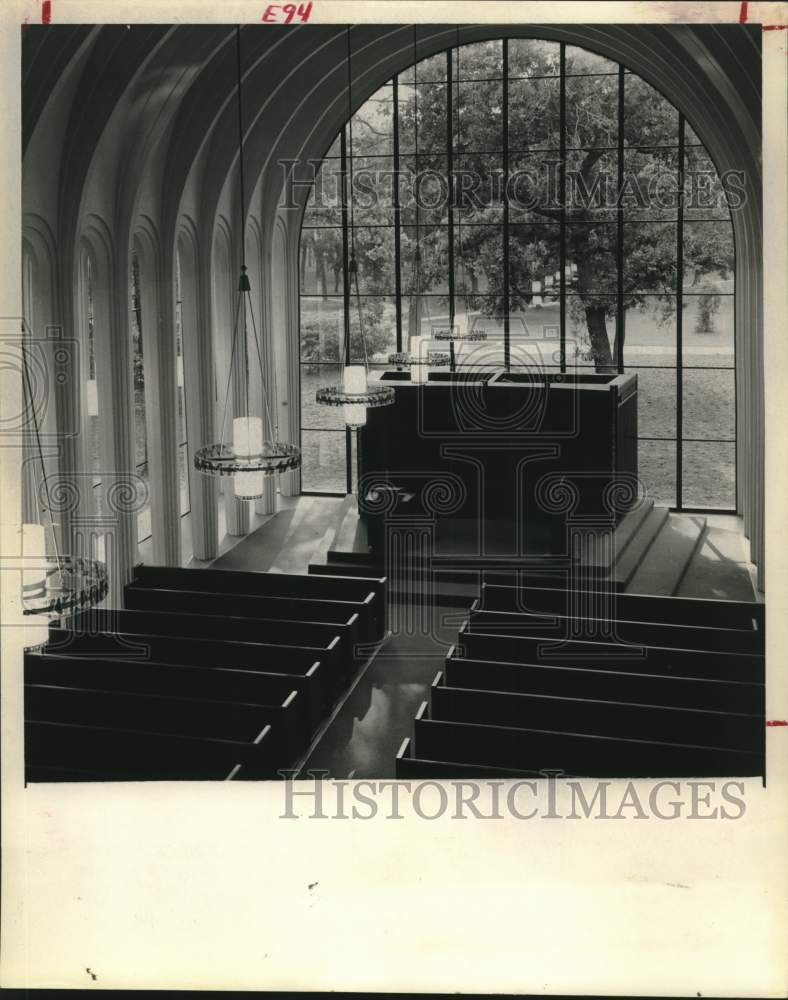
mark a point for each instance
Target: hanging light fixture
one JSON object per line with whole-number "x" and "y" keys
{"x": 418, "y": 357}
{"x": 251, "y": 457}
{"x": 56, "y": 585}
{"x": 355, "y": 394}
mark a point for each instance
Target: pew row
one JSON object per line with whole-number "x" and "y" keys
{"x": 274, "y": 585}
{"x": 66, "y": 751}
{"x": 500, "y": 751}
{"x": 605, "y": 682}
{"x": 746, "y": 615}
{"x": 202, "y": 602}
{"x": 551, "y": 625}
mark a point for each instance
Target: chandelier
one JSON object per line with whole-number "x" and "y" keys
{"x": 251, "y": 457}
{"x": 355, "y": 395}
{"x": 52, "y": 585}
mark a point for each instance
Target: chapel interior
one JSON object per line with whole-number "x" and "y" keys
{"x": 393, "y": 401}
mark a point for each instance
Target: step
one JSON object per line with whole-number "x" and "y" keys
{"x": 626, "y": 530}
{"x": 350, "y": 541}
{"x": 664, "y": 565}
{"x": 632, "y": 556}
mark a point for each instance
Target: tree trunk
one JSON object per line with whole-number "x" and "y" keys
{"x": 600, "y": 343}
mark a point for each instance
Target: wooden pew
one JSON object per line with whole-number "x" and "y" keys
{"x": 634, "y": 607}
{"x": 605, "y": 684}
{"x": 493, "y": 748}
{"x": 177, "y": 679}
{"x": 743, "y": 667}
{"x": 130, "y": 755}
{"x": 282, "y": 585}
{"x": 409, "y": 766}
{"x": 291, "y": 609}
{"x": 329, "y": 642}
{"x": 724, "y": 730}
{"x": 178, "y": 716}
{"x": 556, "y": 626}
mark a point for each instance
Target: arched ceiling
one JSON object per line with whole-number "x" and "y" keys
{"x": 163, "y": 97}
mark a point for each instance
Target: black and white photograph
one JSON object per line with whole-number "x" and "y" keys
{"x": 392, "y": 424}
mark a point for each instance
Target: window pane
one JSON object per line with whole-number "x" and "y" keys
{"x": 709, "y": 475}
{"x": 373, "y": 190}
{"x": 592, "y": 183}
{"x": 483, "y": 355}
{"x": 321, "y": 328}
{"x": 478, "y": 259}
{"x": 533, "y": 57}
{"x": 708, "y": 257}
{"x": 373, "y": 131}
{"x": 582, "y": 61}
{"x": 375, "y": 258}
{"x": 379, "y": 318}
{"x": 650, "y": 337}
{"x": 534, "y": 260}
{"x": 144, "y": 529}
{"x": 429, "y": 70}
{"x": 479, "y": 188}
{"x": 656, "y": 402}
{"x": 704, "y": 195}
{"x": 323, "y": 461}
{"x": 649, "y": 119}
{"x": 707, "y": 336}
{"x": 591, "y": 259}
{"x": 591, "y": 326}
{"x": 651, "y": 184}
{"x": 591, "y": 111}
{"x": 430, "y": 183}
{"x": 533, "y": 187}
{"x": 321, "y": 262}
{"x": 534, "y": 114}
{"x": 316, "y": 416}
{"x": 324, "y": 207}
{"x": 709, "y": 404}
{"x": 432, "y": 114}
{"x": 481, "y": 60}
{"x": 477, "y": 119}
{"x": 650, "y": 258}
{"x": 434, "y": 265}
{"x": 657, "y": 470}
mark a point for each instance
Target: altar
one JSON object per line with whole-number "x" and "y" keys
{"x": 500, "y": 460}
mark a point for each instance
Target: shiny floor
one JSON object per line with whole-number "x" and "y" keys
{"x": 362, "y": 737}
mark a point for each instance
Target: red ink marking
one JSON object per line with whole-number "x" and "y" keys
{"x": 777, "y": 722}
{"x": 743, "y": 13}
{"x": 774, "y": 27}
{"x": 289, "y": 12}
{"x": 46, "y": 11}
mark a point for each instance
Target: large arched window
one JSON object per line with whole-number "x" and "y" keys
{"x": 585, "y": 227}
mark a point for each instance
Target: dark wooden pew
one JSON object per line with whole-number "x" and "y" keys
{"x": 477, "y": 645}
{"x": 178, "y": 680}
{"x": 555, "y": 626}
{"x": 130, "y": 755}
{"x": 493, "y": 748}
{"x": 634, "y": 607}
{"x": 724, "y": 730}
{"x": 178, "y": 716}
{"x": 409, "y": 766}
{"x": 291, "y": 609}
{"x": 329, "y": 642}
{"x": 281, "y": 585}
{"x": 605, "y": 684}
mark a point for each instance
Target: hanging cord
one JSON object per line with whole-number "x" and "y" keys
{"x": 353, "y": 263}
{"x": 31, "y": 401}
